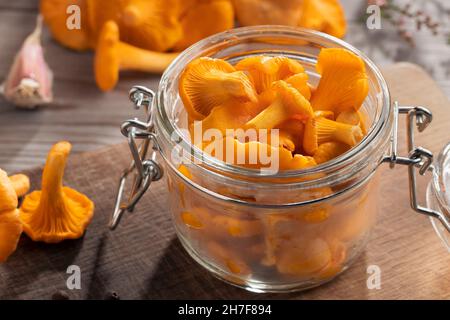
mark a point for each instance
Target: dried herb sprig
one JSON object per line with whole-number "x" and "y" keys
{"x": 402, "y": 15}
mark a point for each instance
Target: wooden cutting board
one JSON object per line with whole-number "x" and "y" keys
{"x": 144, "y": 259}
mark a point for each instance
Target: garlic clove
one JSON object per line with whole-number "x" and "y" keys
{"x": 30, "y": 80}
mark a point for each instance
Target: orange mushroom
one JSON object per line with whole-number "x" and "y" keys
{"x": 349, "y": 117}
{"x": 355, "y": 118}
{"x": 207, "y": 83}
{"x": 329, "y": 150}
{"x": 220, "y": 225}
{"x": 338, "y": 257}
{"x": 321, "y": 130}
{"x": 10, "y": 231}
{"x": 289, "y": 104}
{"x": 300, "y": 82}
{"x": 323, "y": 15}
{"x": 56, "y": 213}
{"x": 285, "y": 140}
{"x": 191, "y": 220}
{"x": 55, "y": 13}
{"x": 257, "y": 155}
{"x": 21, "y": 184}
{"x": 235, "y": 227}
{"x": 10, "y": 224}
{"x": 112, "y": 55}
{"x": 316, "y": 215}
{"x": 147, "y": 24}
{"x": 291, "y": 131}
{"x": 303, "y": 258}
{"x": 204, "y": 18}
{"x": 264, "y": 70}
{"x": 324, "y": 114}
{"x": 181, "y": 187}
{"x": 8, "y": 197}
{"x": 343, "y": 85}
{"x": 257, "y": 12}
{"x": 228, "y": 258}
{"x": 229, "y": 116}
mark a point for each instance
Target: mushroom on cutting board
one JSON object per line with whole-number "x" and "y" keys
{"x": 56, "y": 212}
{"x": 10, "y": 225}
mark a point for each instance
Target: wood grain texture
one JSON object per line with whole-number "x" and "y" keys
{"x": 90, "y": 119}
{"x": 142, "y": 259}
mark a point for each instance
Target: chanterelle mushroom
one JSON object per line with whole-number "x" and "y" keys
{"x": 148, "y": 24}
{"x": 343, "y": 84}
{"x": 10, "y": 225}
{"x": 319, "y": 130}
{"x": 56, "y": 213}
{"x": 112, "y": 55}
{"x": 289, "y": 103}
{"x": 203, "y": 18}
{"x": 56, "y": 16}
{"x": 207, "y": 83}
{"x": 264, "y": 70}
{"x": 21, "y": 184}
{"x": 323, "y": 15}
{"x": 256, "y": 12}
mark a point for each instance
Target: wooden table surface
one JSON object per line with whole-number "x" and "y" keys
{"x": 91, "y": 119}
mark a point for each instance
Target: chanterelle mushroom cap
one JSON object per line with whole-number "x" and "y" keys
{"x": 323, "y": 15}
{"x": 203, "y": 18}
{"x": 8, "y": 197}
{"x": 289, "y": 103}
{"x": 56, "y": 17}
{"x": 343, "y": 85}
{"x": 329, "y": 150}
{"x": 147, "y": 24}
{"x": 300, "y": 82}
{"x": 10, "y": 224}
{"x": 207, "y": 83}
{"x": 256, "y": 12}
{"x": 264, "y": 70}
{"x": 21, "y": 184}
{"x": 10, "y": 231}
{"x": 56, "y": 213}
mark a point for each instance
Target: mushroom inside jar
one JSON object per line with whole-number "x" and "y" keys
{"x": 289, "y": 124}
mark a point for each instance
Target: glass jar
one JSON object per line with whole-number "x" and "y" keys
{"x": 438, "y": 194}
{"x": 258, "y": 230}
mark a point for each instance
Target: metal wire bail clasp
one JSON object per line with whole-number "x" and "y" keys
{"x": 145, "y": 169}
{"x": 418, "y": 158}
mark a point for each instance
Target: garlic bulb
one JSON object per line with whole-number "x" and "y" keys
{"x": 29, "y": 82}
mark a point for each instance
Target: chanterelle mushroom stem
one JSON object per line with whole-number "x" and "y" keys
{"x": 134, "y": 58}
{"x": 52, "y": 178}
{"x": 112, "y": 56}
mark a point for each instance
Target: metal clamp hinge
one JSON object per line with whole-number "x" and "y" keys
{"x": 145, "y": 168}
{"x": 418, "y": 158}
